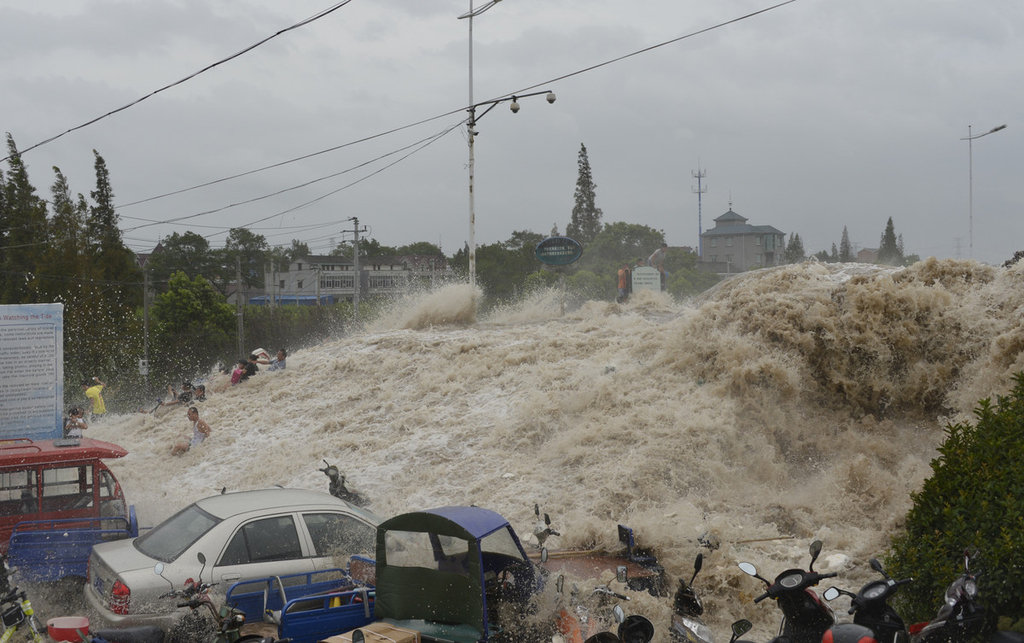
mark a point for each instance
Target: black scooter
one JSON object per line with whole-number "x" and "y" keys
{"x": 338, "y": 488}
{"x": 871, "y": 610}
{"x": 805, "y": 618}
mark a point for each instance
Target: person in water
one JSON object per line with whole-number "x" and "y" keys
{"x": 76, "y": 423}
{"x": 277, "y": 364}
{"x": 185, "y": 397}
{"x": 200, "y": 431}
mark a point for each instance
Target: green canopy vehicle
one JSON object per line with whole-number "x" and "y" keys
{"x": 453, "y": 574}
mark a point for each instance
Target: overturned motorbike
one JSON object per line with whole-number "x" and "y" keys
{"x": 339, "y": 490}
{"x": 687, "y": 609}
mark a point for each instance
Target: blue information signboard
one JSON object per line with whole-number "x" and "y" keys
{"x": 32, "y": 388}
{"x": 558, "y": 251}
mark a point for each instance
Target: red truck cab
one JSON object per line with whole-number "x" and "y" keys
{"x": 60, "y": 490}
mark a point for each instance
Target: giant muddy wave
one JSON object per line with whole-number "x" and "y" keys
{"x": 784, "y": 405}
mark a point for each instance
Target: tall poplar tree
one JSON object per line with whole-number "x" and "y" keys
{"x": 23, "y": 230}
{"x": 586, "y": 216}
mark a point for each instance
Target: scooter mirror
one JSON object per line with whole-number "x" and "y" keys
{"x": 748, "y": 568}
{"x": 815, "y": 550}
{"x": 621, "y": 574}
{"x": 831, "y": 594}
{"x": 544, "y": 555}
{"x": 698, "y": 562}
{"x": 619, "y": 615}
{"x": 201, "y": 558}
{"x": 740, "y": 627}
{"x": 158, "y": 569}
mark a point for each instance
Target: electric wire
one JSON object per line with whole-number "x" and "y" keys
{"x": 428, "y": 139}
{"x": 384, "y": 133}
{"x": 301, "y": 23}
{"x": 456, "y": 111}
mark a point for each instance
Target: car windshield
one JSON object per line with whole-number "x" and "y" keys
{"x": 169, "y": 539}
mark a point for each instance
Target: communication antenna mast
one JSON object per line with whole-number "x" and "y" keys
{"x": 699, "y": 174}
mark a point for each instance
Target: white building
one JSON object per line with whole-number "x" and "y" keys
{"x": 327, "y": 278}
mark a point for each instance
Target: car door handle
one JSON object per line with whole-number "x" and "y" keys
{"x": 230, "y": 577}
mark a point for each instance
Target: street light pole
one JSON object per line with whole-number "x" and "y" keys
{"x": 970, "y": 181}
{"x": 470, "y": 133}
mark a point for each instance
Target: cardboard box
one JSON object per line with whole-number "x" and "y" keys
{"x": 378, "y": 633}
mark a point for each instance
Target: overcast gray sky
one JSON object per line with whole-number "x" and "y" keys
{"x": 812, "y": 116}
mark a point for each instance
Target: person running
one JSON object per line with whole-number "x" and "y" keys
{"x": 200, "y": 431}
{"x": 94, "y": 392}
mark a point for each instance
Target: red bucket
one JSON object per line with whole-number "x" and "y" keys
{"x": 65, "y": 628}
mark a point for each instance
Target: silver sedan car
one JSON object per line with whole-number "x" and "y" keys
{"x": 243, "y": 535}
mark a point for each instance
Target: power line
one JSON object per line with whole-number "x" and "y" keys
{"x": 301, "y": 23}
{"x": 428, "y": 140}
{"x": 454, "y": 111}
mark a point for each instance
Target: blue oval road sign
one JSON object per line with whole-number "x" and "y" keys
{"x": 558, "y": 251}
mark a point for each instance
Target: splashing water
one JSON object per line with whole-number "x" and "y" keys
{"x": 785, "y": 405}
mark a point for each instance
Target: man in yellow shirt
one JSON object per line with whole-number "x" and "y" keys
{"x": 94, "y": 392}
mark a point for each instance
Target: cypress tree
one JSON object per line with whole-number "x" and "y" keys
{"x": 586, "y": 216}
{"x": 888, "y": 249}
{"x": 845, "y": 251}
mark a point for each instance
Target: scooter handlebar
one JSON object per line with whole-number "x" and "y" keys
{"x": 809, "y": 579}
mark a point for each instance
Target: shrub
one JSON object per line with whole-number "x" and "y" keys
{"x": 973, "y": 500}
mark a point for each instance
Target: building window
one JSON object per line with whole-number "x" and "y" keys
{"x": 299, "y": 268}
{"x": 714, "y": 242}
{"x": 281, "y": 284}
{"x": 728, "y": 242}
{"x": 757, "y": 241}
{"x": 300, "y": 284}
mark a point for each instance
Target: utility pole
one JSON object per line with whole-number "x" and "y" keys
{"x": 699, "y": 174}
{"x": 238, "y": 303}
{"x": 355, "y": 262}
{"x": 145, "y": 322}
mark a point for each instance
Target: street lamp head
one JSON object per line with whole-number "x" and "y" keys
{"x": 996, "y": 129}
{"x": 514, "y": 106}
{"x": 551, "y": 99}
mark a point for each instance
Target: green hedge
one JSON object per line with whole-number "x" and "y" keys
{"x": 973, "y": 500}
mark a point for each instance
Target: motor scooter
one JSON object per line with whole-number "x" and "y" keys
{"x": 338, "y": 488}
{"x": 584, "y": 620}
{"x": 870, "y": 608}
{"x": 805, "y": 618}
{"x": 962, "y": 616}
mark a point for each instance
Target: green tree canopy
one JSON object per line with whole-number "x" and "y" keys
{"x": 193, "y": 327}
{"x": 187, "y": 252}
